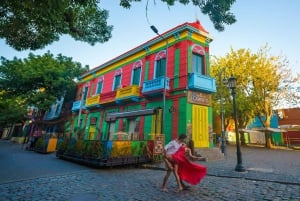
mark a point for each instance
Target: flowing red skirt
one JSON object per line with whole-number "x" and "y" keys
{"x": 188, "y": 171}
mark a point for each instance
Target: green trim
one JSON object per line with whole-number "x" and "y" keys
{"x": 189, "y": 62}
{"x": 188, "y": 113}
{"x": 176, "y": 68}
{"x": 146, "y": 72}
{"x": 207, "y": 64}
{"x": 86, "y": 132}
{"x": 182, "y": 115}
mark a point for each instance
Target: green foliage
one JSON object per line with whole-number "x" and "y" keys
{"x": 63, "y": 145}
{"x": 259, "y": 76}
{"x": 217, "y": 10}
{"x": 82, "y": 148}
{"x": 40, "y": 144}
{"x": 93, "y": 149}
{"x": 39, "y": 80}
{"x": 34, "y": 24}
{"x": 11, "y": 110}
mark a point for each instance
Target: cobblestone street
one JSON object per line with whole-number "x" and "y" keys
{"x": 262, "y": 181}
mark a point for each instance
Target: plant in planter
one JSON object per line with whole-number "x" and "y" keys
{"x": 41, "y": 145}
{"x": 92, "y": 150}
{"x": 79, "y": 133}
{"x": 70, "y": 151}
{"x": 62, "y": 146}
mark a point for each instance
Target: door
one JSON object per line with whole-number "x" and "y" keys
{"x": 200, "y": 133}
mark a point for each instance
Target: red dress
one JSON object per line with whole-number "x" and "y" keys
{"x": 188, "y": 171}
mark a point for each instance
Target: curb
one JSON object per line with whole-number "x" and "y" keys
{"x": 153, "y": 167}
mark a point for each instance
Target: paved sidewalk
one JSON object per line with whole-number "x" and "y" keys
{"x": 272, "y": 175}
{"x": 261, "y": 164}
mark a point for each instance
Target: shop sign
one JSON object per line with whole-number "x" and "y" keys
{"x": 199, "y": 98}
{"x": 158, "y": 144}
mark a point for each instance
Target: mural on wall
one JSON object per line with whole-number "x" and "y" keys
{"x": 128, "y": 148}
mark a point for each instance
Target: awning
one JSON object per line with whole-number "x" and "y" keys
{"x": 268, "y": 129}
{"x": 290, "y": 127}
{"x": 249, "y": 131}
{"x": 113, "y": 116}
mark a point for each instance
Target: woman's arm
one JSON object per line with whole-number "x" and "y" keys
{"x": 189, "y": 151}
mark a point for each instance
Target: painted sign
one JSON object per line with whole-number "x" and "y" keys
{"x": 158, "y": 144}
{"x": 199, "y": 98}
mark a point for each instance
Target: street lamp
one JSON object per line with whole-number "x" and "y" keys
{"x": 223, "y": 144}
{"x": 232, "y": 86}
{"x": 80, "y": 108}
{"x": 154, "y": 29}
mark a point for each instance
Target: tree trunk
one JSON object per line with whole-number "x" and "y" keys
{"x": 268, "y": 144}
{"x": 243, "y": 141}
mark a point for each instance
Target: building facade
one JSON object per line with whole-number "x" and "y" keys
{"x": 163, "y": 86}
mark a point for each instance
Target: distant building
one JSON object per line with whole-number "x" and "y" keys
{"x": 289, "y": 120}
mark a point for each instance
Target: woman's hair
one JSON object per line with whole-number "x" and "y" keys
{"x": 182, "y": 136}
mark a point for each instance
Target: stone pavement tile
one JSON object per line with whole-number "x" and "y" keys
{"x": 143, "y": 184}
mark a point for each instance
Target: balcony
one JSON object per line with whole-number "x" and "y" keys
{"x": 76, "y": 105}
{"x": 130, "y": 93}
{"x": 201, "y": 83}
{"x": 55, "y": 110}
{"x": 107, "y": 98}
{"x": 155, "y": 86}
{"x": 93, "y": 101}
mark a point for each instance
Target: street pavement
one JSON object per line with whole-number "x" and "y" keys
{"x": 272, "y": 175}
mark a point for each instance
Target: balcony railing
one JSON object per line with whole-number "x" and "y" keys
{"x": 128, "y": 93}
{"x": 93, "y": 101}
{"x": 201, "y": 83}
{"x": 155, "y": 85}
{"x": 108, "y": 97}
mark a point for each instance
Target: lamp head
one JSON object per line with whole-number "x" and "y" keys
{"x": 154, "y": 29}
{"x": 231, "y": 82}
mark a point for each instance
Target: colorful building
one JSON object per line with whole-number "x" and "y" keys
{"x": 162, "y": 86}
{"x": 289, "y": 120}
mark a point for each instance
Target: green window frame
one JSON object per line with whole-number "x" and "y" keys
{"x": 99, "y": 87}
{"x": 198, "y": 63}
{"x": 160, "y": 67}
{"x": 117, "y": 82}
{"x": 136, "y": 76}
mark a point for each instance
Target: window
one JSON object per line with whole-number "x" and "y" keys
{"x": 198, "y": 59}
{"x": 92, "y": 89}
{"x": 86, "y": 89}
{"x": 160, "y": 64}
{"x": 99, "y": 87}
{"x": 117, "y": 82}
{"x": 136, "y": 74}
{"x": 160, "y": 67}
{"x": 198, "y": 63}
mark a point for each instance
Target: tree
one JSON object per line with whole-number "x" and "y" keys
{"x": 259, "y": 76}
{"x": 34, "y": 24}
{"x": 38, "y": 80}
{"x": 11, "y": 110}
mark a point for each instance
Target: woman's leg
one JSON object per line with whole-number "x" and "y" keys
{"x": 166, "y": 177}
{"x": 177, "y": 177}
{"x": 168, "y": 160}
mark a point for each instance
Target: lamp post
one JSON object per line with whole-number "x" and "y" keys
{"x": 154, "y": 29}
{"x": 232, "y": 86}
{"x": 80, "y": 108}
{"x": 223, "y": 144}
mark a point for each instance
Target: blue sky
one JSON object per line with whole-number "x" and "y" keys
{"x": 275, "y": 23}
